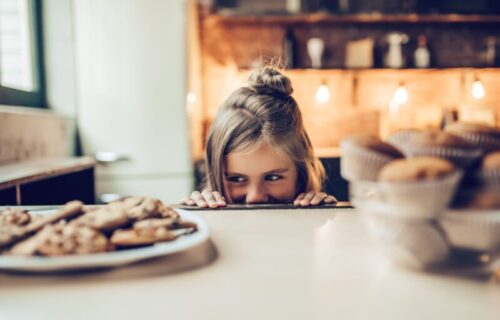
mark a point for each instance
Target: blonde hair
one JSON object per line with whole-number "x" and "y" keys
{"x": 263, "y": 111}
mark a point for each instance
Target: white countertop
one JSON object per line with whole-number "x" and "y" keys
{"x": 259, "y": 264}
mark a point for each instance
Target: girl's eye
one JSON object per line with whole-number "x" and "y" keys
{"x": 236, "y": 179}
{"x": 273, "y": 177}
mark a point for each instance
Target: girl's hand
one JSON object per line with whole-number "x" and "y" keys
{"x": 205, "y": 199}
{"x": 313, "y": 198}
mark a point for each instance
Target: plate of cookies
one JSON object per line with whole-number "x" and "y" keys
{"x": 428, "y": 195}
{"x": 77, "y": 237}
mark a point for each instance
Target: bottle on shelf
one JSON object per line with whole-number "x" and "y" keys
{"x": 490, "y": 54}
{"x": 315, "y": 48}
{"x": 422, "y": 56}
{"x": 293, "y": 6}
{"x": 290, "y": 50}
{"x": 394, "y": 57}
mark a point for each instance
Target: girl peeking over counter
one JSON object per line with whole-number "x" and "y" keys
{"x": 258, "y": 150}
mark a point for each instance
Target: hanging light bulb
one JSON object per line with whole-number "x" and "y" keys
{"x": 190, "y": 101}
{"x": 323, "y": 93}
{"x": 191, "y": 97}
{"x": 400, "y": 95}
{"x": 477, "y": 89}
{"x": 399, "y": 98}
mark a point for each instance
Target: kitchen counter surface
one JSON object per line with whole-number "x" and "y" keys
{"x": 259, "y": 264}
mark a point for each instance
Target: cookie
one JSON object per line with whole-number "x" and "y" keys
{"x": 63, "y": 239}
{"x": 150, "y": 231}
{"x": 66, "y": 239}
{"x": 12, "y": 234}
{"x": 139, "y": 208}
{"x": 14, "y": 216}
{"x": 105, "y": 219}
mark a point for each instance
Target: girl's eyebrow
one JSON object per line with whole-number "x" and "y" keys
{"x": 226, "y": 174}
{"x": 278, "y": 170}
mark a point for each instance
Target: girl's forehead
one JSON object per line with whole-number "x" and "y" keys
{"x": 264, "y": 157}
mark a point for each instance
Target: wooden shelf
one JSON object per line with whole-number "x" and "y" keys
{"x": 384, "y": 70}
{"x": 40, "y": 169}
{"x": 47, "y": 181}
{"x": 323, "y": 18}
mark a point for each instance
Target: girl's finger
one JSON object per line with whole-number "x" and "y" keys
{"x": 209, "y": 198}
{"x": 220, "y": 199}
{"x": 307, "y": 199}
{"x": 184, "y": 200}
{"x": 330, "y": 199}
{"x": 318, "y": 198}
{"x": 198, "y": 199}
{"x": 299, "y": 198}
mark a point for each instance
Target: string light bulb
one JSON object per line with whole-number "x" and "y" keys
{"x": 323, "y": 93}
{"x": 477, "y": 89}
{"x": 401, "y": 94}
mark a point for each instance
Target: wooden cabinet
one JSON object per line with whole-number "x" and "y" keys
{"x": 47, "y": 181}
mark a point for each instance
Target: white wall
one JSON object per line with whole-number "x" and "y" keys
{"x": 59, "y": 62}
{"x": 118, "y": 67}
{"x": 130, "y": 58}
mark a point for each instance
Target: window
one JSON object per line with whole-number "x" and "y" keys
{"x": 21, "y": 81}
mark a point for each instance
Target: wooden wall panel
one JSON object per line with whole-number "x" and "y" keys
{"x": 359, "y": 98}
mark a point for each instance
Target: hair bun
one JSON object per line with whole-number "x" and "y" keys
{"x": 269, "y": 80}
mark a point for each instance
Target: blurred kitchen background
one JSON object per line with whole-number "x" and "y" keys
{"x": 133, "y": 85}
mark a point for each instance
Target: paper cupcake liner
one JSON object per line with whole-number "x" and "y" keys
{"x": 363, "y": 192}
{"x": 400, "y": 140}
{"x": 472, "y": 229}
{"x": 416, "y": 244}
{"x": 357, "y": 163}
{"x": 483, "y": 141}
{"x": 425, "y": 198}
{"x": 462, "y": 158}
{"x": 490, "y": 180}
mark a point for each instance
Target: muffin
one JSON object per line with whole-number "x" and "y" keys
{"x": 489, "y": 174}
{"x": 420, "y": 186}
{"x": 400, "y": 138}
{"x": 443, "y": 145}
{"x": 482, "y": 136}
{"x": 412, "y": 243}
{"x": 474, "y": 229}
{"x": 364, "y": 155}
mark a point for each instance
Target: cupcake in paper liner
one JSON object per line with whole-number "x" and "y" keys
{"x": 363, "y": 192}
{"x": 364, "y": 155}
{"x": 485, "y": 137}
{"x": 400, "y": 138}
{"x": 413, "y": 243}
{"x": 474, "y": 229}
{"x": 489, "y": 174}
{"x": 443, "y": 145}
{"x": 420, "y": 186}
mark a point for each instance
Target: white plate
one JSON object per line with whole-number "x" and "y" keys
{"x": 109, "y": 259}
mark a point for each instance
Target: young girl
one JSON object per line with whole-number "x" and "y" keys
{"x": 258, "y": 150}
